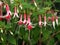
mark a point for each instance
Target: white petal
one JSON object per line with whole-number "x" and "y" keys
{"x": 24, "y": 21}
{"x": 53, "y": 24}
{"x": 9, "y": 12}
{"x": 57, "y": 21}
{"x": 40, "y": 23}
{"x": 15, "y": 14}
{"x": 45, "y": 23}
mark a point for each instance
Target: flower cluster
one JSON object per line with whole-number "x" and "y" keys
{"x": 53, "y": 19}
{"x": 27, "y": 20}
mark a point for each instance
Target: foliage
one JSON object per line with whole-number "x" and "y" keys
{"x": 11, "y": 32}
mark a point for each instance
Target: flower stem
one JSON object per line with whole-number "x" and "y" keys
{"x": 29, "y": 38}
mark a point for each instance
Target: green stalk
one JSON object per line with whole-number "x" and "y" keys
{"x": 29, "y": 38}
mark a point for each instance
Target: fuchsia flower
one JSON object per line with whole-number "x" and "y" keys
{"x": 57, "y": 20}
{"x": 0, "y": 14}
{"x": 40, "y": 21}
{"x": 49, "y": 19}
{"x": 24, "y": 22}
{"x": 29, "y": 26}
{"x": 20, "y": 22}
{"x": 45, "y": 21}
{"x": 15, "y": 12}
{"x": 8, "y": 17}
{"x": 0, "y": 10}
{"x": 53, "y": 22}
{"x": 8, "y": 9}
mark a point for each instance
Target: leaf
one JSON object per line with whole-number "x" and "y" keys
{"x": 2, "y": 24}
{"x": 25, "y": 37}
{"x": 46, "y": 34}
{"x": 57, "y": 0}
{"x": 8, "y": 26}
{"x": 51, "y": 42}
{"x": 58, "y": 36}
{"x": 42, "y": 11}
{"x": 11, "y": 40}
{"x": 47, "y": 8}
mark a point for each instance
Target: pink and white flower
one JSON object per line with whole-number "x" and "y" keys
{"x": 15, "y": 12}
{"x": 49, "y": 19}
{"x": 8, "y": 17}
{"x": 45, "y": 21}
{"x": 40, "y": 21}
{"x": 25, "y": 21}
{"x": 29, "y": 24}
{"x": 20, "y": 22}
{"x": 0, "y": 10}
{"x": 1, "y": 3}
{"x": 8, "y": 10}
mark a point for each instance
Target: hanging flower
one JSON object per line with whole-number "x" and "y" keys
{"x": 57, "y": 20}
{"x": 0, "y": 10}
{"x": 20, "y": 22}
{"x": 8, "y": 17}
{"x": 8, "y": 9}
{"x": 1, "y": 3}
{"x": 53, "y": 22}
{"x": 15, "y": 12}
{"x": 29, "y": 24}
{"x": 0, "y": 18}
{"x": 49, "y": 19}
{"x": 24, "y": 22}
{"x": 40, "y": 21}
{"x": 45, "y": 21}
{"x": 29, "y": 27}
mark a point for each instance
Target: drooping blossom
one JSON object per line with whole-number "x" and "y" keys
{"x": 8, "y": 10}
{"x": 40, "y": 21}
{"x": 25, "y": 16}
{"x": 20, "y": 22}
{"x": 15, "y": 12}
{"x": 1, "y": 10}
{"x": 49, "y": 19}
{"x": 45, "y": 21}
{"x": 8, "y": 17}
{"x": 29, "y": 24}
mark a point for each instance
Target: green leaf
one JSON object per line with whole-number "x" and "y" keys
{"x": 8, "y": 26}
{"x": 46, "y": 34}
{"x": 11, "y": 40}
{"x": 51, "y": 42}
{"x": 58, "y": 36}
{"x": 2, "y": 24}
{"x": 25, "y": 37}
{"x": 57, "y": 1}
